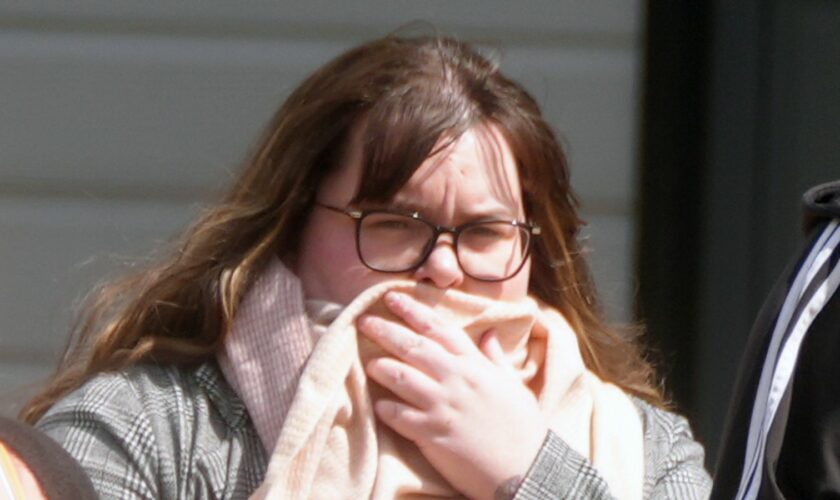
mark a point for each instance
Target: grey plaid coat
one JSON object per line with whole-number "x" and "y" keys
{"x": 168, "y": 432}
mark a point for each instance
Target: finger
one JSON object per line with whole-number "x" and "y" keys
{"x": 407, "y": 421}
{"x": 405, "y": 344}
{"x": 425, "y": 321}
{"x": 406, "y": 382}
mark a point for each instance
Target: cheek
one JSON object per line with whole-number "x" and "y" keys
{"x": 510, "y": 290}
{"x": 328, "y": 265}
{"x": 326, "y": 255}
{"x": 517, "y": 287}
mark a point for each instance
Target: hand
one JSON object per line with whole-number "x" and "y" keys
{"x": 463, "y": 405}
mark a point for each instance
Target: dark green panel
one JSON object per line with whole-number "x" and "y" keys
{"x": 720, "y": 218}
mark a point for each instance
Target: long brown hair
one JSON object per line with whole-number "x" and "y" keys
{"x": 410, "y": 92}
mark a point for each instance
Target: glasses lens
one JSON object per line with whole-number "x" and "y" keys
{"x": 392, "y": 242}
{"x": 493, "y": 250}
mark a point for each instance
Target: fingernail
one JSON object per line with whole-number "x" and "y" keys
{"x": 394, "y": 298}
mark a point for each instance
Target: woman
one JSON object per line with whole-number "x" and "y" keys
{"x": 408, "y": 158}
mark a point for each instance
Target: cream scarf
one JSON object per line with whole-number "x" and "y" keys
{"x": 305, "y": 389}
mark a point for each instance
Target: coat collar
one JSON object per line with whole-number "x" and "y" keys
{"x": 821, "y": 203}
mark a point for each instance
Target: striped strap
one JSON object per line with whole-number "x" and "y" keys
{"x": 815, "y": 283}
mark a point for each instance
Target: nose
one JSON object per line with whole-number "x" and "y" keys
{"x": 441, "y": 268}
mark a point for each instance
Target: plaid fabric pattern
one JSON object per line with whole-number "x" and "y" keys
{"x": 168, "y": 432}
{"x": 673, "y": 464}
{"x": 160, "y": 432}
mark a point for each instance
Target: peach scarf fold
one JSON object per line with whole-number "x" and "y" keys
{"x": 303, "y": 383}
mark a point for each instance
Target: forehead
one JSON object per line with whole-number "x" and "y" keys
{"x": 476, "y": 167}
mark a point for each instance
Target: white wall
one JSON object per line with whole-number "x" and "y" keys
{"x": 118, "y": 119}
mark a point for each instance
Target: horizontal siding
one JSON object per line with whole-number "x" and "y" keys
{"x": 56, "y": 251}
{"x": 162, "y": 117}
{"x": 20, "y": 380}
{"x": 148, "y": 115}
{"x": 590, "y": 98}
{"x": 608, "y": 242}
{"x": 596, "y": 20}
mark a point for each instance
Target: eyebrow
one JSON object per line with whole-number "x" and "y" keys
{"x": 497, "y": 211}
{"x": 408, "y": 208}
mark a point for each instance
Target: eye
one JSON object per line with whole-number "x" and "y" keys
{"x": 484, "y": 232}
{"x": 394, "y": 224}
{"x": 389, "y": 223}
{"x": 491, "y": 230}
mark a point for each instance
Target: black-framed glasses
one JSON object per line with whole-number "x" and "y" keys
{"x": 396, "y": 242}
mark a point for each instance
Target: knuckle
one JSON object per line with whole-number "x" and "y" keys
{"x": 388, "y": 410}
{"x": 398, "y": 375}
{"x": 410, "y": 345}
{"x": 442, "y": 423}
{"x": 425, "y": 326}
